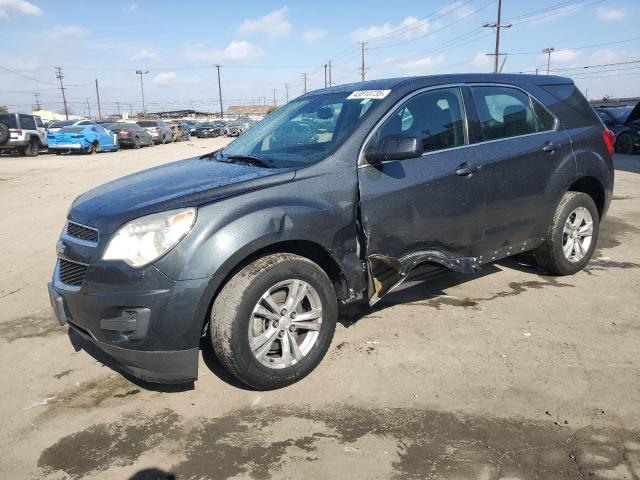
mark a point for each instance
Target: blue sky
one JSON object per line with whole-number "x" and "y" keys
{"x": 262, "y": 45}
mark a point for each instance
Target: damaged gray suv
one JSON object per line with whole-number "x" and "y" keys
{"x": 337, "y": 197}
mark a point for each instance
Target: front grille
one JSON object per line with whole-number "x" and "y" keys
{"x": 83, "y": 233}
{"x": 72, "y": 273}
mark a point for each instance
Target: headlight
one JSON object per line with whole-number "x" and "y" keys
{"x": 147, "y": 238}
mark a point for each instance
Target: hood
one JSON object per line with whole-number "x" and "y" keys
{"x": 634, "y": 115}
{"x": 186, "y": 183}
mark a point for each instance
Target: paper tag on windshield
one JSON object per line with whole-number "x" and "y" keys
{"x": 373, "y": 94}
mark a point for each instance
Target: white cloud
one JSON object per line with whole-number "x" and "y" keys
{"x": 273, "y": 24}
{"x": 130, "y": 8}
{"x": 12, "y": 8}
{"x": 458, "y": 9}
{"x": 66, "y": 32}
{"x": 561, "y": 56}
{"x": 144, "y": 54}
{"x": 411, "y": 26}
{"x": 236, "y": 50}
{"x": 172, "y": 79}
{"x": 312, "y": 35}
{"x": 422, "y": 65}
{"x": 609, "y": 14}
{"x": 481, "y": 60}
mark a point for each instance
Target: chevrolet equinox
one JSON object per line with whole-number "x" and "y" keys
{"x": 336, "y": 197}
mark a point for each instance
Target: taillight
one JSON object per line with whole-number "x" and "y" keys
{"x": 77, "y": 135}
{"x": 609, "y": 140}
{"x": 124, "y": 133}
{"x": 18, "y": 132}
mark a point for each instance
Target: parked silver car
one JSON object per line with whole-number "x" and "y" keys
{"x": 159, "y": 130}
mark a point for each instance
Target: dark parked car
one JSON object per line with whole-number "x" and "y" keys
{"x": 158, "y": 129}
{"x": 179, "y": 130}
{"x": 130, "y": 134}
{"x": 209, "y": 130}
{"x": 625, "y": 123}
{"x": 254, "y": 246}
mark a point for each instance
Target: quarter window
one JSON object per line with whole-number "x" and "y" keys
{"x": 504, "y": 112}
{"x": 544, "y": 120}
{"x": 435, "y": 118}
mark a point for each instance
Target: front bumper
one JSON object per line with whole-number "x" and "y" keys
{"x": 149, "y": 324}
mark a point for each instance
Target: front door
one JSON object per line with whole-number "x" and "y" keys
{"x": 424, "y": 209}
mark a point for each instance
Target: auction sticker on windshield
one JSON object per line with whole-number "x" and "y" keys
{"x": 375, "y": 94}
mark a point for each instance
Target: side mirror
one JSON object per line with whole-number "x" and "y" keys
{"x": 394, "y": 147}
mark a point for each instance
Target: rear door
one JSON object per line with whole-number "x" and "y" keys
{"x": 423, "y": 208}
{"x": 523, "y": 147}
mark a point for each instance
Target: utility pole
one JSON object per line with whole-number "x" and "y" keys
{"x": 286, "y": 93}
{"x": 60, "y": 76}
{"x": 548, "y": 51}
{"x": 329, "y": 64}
{"x": 274, "y": 97}
{"x": 325, "y": 75}
{"x": 98, "y": 98}
{"x": 497, "y": 26}
{"x": 118, "y": 105}
{"x": 130, "y": 110}
{"x": 141, "y": 73}
{"x": 88, "y": 107}
{"x": 36, "y": 94}
{"x": 304, "y": 81}
{"x": 220, "y": 91}
{"x": 362, "y": 44}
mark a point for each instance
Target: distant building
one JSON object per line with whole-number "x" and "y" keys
{"x": 246, "y": 110}
{"x": 615, "y": 102}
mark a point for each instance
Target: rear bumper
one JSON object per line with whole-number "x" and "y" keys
{"x": 69, "y": 146}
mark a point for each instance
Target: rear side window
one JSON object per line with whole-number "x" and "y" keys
{"x": 544, "y": 120}
{"x": 27, "y": 122}
{"x": 9, "y": 119}
{"x": 39, "y": 122}
{"x": 435, "y": 118}
{"x": 504, "y": 112}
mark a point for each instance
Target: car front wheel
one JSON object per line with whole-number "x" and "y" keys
{"x": 273, "y": 322}
{"x": 32, "y": 149}
{"x": 571, "y": 238}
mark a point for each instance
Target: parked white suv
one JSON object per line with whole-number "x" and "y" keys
{"x": 23, "y": 133}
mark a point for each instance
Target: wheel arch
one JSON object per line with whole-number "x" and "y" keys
{"x": 593, "y": 187}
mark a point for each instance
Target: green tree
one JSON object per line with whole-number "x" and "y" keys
{"x": 271, "y": 109}
{"x": 3, "y": 109}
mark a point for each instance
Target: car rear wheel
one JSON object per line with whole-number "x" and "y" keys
{"x": 273, "y": 322}
{"x": 624, "y": 144}
{"x": 32, "y": 149}
{"x": 93, "y": 148}
{"x": 136, "y": 143}
{"x": 571, "y": 238}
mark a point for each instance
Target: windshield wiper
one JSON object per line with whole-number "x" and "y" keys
{"x": 211, "y": 155}
{"x": 261, "y": 162}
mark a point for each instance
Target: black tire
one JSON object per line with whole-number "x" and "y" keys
{"x": 5, "y": 134}
{"x": 136, "y": 143}
{"x": 232, "y": 311}
{"x": 32, "y": 149}
{"x": 93, "y": 148}
{"x": 549, "y": 255}
{"x": 624, "y": 144}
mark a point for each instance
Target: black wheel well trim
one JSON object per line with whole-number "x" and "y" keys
{"x": 593, "y": 187}
{"x": 305, "y": 248}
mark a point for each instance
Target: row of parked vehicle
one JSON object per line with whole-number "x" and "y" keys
{"x": 28, "y": 135}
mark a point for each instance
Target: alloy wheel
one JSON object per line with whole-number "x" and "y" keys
{"x": 577, "y": 234}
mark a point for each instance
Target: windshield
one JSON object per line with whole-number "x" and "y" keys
{"x": 303, "y": 131}
{"x": 147, "y": 123}
{"x": 72, "y": 129}
{"x": 620, "y": 113}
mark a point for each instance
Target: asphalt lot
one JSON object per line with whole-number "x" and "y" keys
{"x": 504, "y": 374}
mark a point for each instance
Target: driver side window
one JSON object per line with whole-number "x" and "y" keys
{"x": 435, "y": 118}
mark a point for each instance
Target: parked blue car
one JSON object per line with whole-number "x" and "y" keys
{"x": 82, "y": 138}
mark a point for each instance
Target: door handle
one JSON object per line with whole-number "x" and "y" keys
{"x": 550, "y": 147}
{"x": 467, "y": 169}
